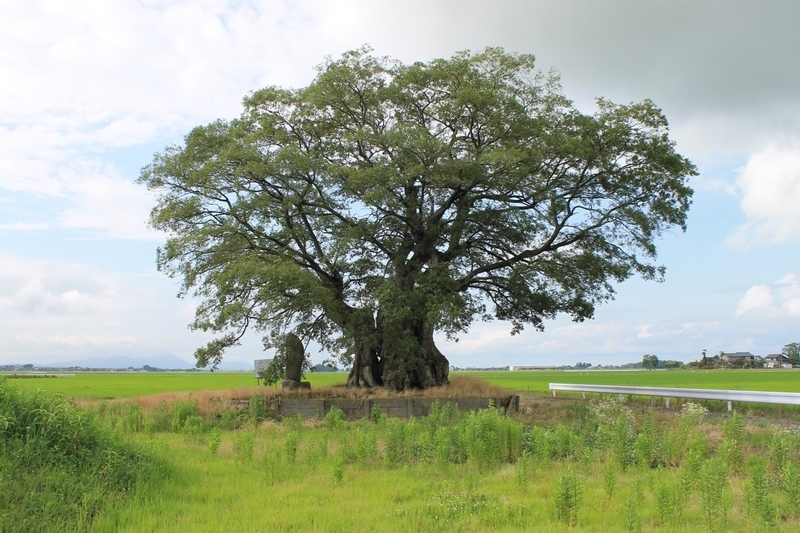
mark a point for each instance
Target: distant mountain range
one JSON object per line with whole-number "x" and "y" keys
{"x": 120, "y": 362}
{"x": 165, "y": 361}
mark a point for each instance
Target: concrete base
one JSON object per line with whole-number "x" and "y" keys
{"x": 290, "y": 384}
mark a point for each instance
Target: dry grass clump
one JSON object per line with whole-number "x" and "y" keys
{"x": 209, "y": 401}
{"x": 214, "y": 401}
{"x": 459, "y": 387}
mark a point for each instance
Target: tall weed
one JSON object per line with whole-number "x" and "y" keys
{"x": 757, "y": 493}
{"x": 243, "y": 446}
{"x": 615, "y": 429}
{"x": 732, "y": 447}
{"x": 714, "y": 493}
{"x": 568, "y": 498}
{"x": 634, "y": 501}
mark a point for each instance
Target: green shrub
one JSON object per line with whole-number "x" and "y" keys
{"x": 181, "y": 411}
{"x": 133, "y": 418}
{"x": 490, "y": 438}
{"x": 230, "y": 419}
{"x": 699, "y": 450}
{"x": 335, "y": 419}
{"x": 394, "y": 449}
{"x": 317, "y": 450}
{"x": 194, "y": 427}
{"x": 159, "y": 420}
{"x": 377, "y": 415}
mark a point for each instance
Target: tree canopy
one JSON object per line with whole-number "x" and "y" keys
{"x": 650, "y": 361}
{"x": 386, "y": 202}
{"x": 792, "y": 352}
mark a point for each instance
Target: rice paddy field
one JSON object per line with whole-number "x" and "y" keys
{"x": 130, "y": 452}
{"x": 109, "y": 385}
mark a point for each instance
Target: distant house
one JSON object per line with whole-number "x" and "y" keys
{"x": 777, "y": 360}
{"x": 737, "y": 358}
{"x": 515, "y": 368}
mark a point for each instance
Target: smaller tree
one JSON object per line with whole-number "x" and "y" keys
{"x": 792, "y": 352}
{"x": 649, "y": 361}
{"x": 671, "y": 365}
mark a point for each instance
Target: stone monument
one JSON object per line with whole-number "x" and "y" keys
{"x": 295, "y": 354}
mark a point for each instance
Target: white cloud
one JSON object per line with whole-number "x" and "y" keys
{"x": 770, "y": 186}
{"x": 79, "y": 79}
{"x": 756, "y": 297}
{"x": 54, "y": 289}
{"x": 108, "y": 202}
{"x": 779, "y": 301}
{"x": 55, "y": 311}
{"x": 24, "y": 226}
{"x": 789, "y": 293}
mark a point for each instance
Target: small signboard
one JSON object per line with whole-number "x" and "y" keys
{"x": 261, "y": 365}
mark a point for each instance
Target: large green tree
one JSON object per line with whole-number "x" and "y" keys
{"x": 387, "y": 202}
{"x": 792, "y": 352}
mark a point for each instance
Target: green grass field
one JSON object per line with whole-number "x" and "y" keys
{"x": 130, "y": 384}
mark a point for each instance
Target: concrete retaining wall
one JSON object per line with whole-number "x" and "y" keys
{"x": 393, "y": 407}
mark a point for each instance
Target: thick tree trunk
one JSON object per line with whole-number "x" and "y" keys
{"x": 367, "y": 369}
{"x": 411, "y": 359}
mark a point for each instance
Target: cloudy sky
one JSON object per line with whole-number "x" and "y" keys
{"x": 90, "y": 90}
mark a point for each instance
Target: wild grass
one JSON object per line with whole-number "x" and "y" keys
{"x": 479, "y": 471}
{"x": 59, "y": 468}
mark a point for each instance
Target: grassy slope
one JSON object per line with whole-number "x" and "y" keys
{"x": 58, "y": 467}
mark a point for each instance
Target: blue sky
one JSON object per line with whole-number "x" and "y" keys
{"x": 89, "y": 91}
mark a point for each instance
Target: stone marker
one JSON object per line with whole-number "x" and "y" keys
{"x": 295, "y": 355}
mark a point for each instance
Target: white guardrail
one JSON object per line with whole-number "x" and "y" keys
{"x": 783, "y": 398}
